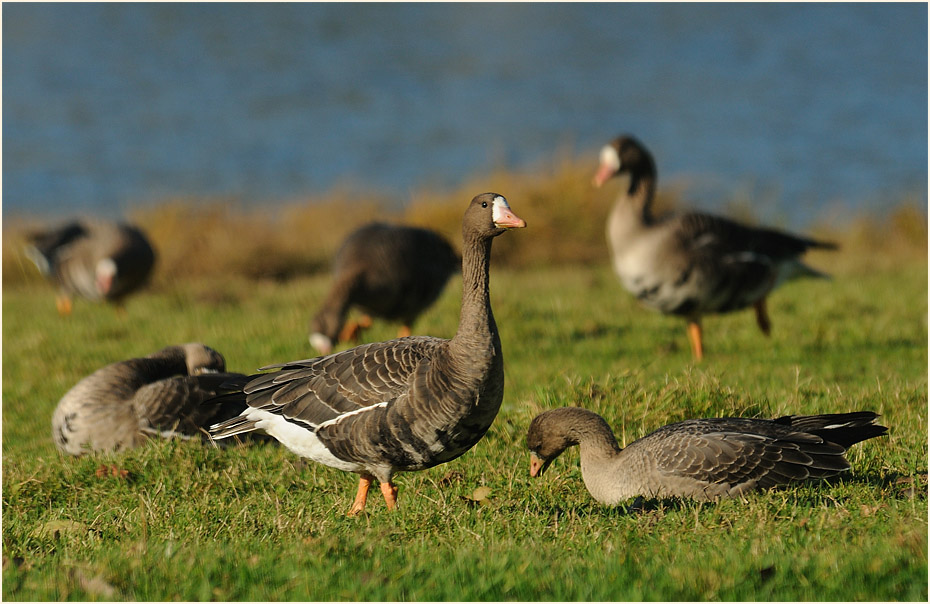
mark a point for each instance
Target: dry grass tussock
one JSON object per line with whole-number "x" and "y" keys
{"x": 217, "y": 238}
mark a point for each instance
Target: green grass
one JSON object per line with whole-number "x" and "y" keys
{"x": 192, "y": 522}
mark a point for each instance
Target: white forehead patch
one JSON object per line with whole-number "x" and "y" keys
{"x": 610, "y": 158}
{"x": 500, "y": 204}
{"x": 106, "y": 268}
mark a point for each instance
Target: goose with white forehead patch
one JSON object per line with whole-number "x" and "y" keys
{"x": 692, "y": 264}
{"x": 94, "y": 259}
{"x": 401, "y": 405}
{"x": 702, "y": 459}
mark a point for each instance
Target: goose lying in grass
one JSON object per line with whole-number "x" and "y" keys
{"x": 401, "y": 405}
{"x": 119, "y": 406}
{"x": 97, "y": 260}
{"x": 702, "y": 459}
{"x": 393, "y": 272}
{"x": 692, "y": 264}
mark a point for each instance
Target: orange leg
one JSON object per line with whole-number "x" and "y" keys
{"x": 390, "y": 495}
{"x": 352, "y": 329}
{"x": 361, "y": 496}
{"x": 694, "y": 335}
{"x": 63, "y": 303}
{"x": 762, "y": 317}
{"x": 349, "y": 332}
{"x": 404, "y": 331}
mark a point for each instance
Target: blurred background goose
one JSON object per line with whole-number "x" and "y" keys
{"x": 702, "y": 459}
{"x": 401, "y": 405}
{"x": 119, "y": 406}
{"x": 95, "y": 259}
{"x": 392, "y": 272}
{"x": 692, "y": 264}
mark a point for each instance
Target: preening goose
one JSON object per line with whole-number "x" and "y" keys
{"x": 702, "y": 459}
{"x": 692, "y": 264}
{"x": 389, "y": 271}
{"x": 401, "y": 405}
{"x": 122, "y": 404}
{"x": 98, "y": 260}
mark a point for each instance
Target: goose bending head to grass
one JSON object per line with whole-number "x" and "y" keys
{"x": 94, "y": 259}
{"x": 692, "y": 264}
{"x": 702, "y": 459}
{"x": 394, "y": 272}
{"x": 121, "y": 405}
{"x": 401, "y": 405}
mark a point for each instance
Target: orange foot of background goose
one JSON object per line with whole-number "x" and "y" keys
{"x": 694, "y": 336}
{"x": 63, "y": 303}
{"x": 353, "y": 329}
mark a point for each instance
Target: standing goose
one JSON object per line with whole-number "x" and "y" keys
{"x": 401, "y": 405}
{"x": 389, "y": 271}
{"x": 703, "y": 459}
{"x": 120, "y": 405}
{"x": 94, "y": 259}
{"x": 692, "y": 264}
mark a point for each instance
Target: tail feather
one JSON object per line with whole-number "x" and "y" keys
{"x": 802, "y": 270}
{"x": 230, "y": 402}
{"x": 844, "y": 429}
{"x": 822, "y": 245}
{"x": 232, "y": 427}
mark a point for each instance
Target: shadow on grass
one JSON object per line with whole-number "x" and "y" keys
{"x": 817, "y": 493}
{"x": 901, "y": 485}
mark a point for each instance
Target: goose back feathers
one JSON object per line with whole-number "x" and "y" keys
{"x": 389, "y": 271}
{"x": 122, "y": 404}
{"x": 401, "y": 405}
{"x": 692, "y": 264}
{"x": 702, "y": 459}
{"x": 97, "y": 260}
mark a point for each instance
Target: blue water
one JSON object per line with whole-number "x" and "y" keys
{"x": 803, "y": 107}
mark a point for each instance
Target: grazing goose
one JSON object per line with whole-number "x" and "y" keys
{"x": 392, "y": 272}
{"x": 120, "y": 405}
{"x": 401, "y": 405}
{"x": 703, "y": 459}
{"x": 692, "y": 264}
{"x": 95, "y": 259}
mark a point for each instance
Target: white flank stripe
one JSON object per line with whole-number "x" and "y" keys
{"x": 336, "y": 420}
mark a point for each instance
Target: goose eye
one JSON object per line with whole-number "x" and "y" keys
{"x": 484, "y": 204}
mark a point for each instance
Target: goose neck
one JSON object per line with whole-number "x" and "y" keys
{"x": 641, "y": 192}
{"x": 335, "y": 307}
{"x": 477, "y": 331}
{"x": 165, "y": 363}
{"x": 596, "y": 441}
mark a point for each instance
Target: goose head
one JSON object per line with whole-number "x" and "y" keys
{"x": 624, "y": 155}
{"x": 105, "y": 273}
{"x": 202, "y": 359}
{"x": 553, "y": 431}
{"x": 488, "y": 216}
